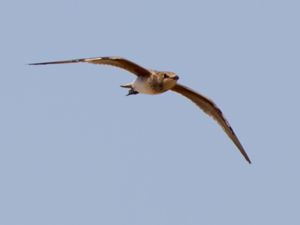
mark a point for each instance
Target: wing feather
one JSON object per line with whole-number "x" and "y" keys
{"x": 113, "y": 61}
{"x": 211, "y": 109}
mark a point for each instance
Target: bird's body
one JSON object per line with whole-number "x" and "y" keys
{"x": 156, "y": 82}
{"x": 145, "y": 86}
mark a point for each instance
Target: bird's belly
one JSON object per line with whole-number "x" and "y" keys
{"x": 145, "y": 88}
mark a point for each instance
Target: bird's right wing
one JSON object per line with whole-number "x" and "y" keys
{"x": 113, "y": 61}
{"x": 211, "y": 109}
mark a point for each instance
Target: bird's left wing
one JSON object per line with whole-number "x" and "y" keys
{"x": 211, "y": 109}
{"x": 113, "y": 61}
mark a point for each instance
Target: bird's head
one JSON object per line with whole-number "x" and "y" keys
{"x": 169, "y": 79}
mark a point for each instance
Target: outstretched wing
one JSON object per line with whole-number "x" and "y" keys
{"x": 113, "y": 61}
{"x": 211, "y": 109}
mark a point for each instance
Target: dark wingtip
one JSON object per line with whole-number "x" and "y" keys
{"x": 58, "y": 62}
{"x": 248, "y": 160}
{"x": 43, "y": 63}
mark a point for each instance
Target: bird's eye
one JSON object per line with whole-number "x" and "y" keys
{"x": 166, "y": 76}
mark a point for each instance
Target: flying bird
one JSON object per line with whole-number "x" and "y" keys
{"x": 153, "y": 82}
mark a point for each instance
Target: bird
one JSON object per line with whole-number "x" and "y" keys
{"x": 154, "y": 82}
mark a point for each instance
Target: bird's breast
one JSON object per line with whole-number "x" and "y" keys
{"x": 146, "y": 87}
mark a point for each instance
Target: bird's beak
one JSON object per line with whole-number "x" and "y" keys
{"x": 175, "y": 78}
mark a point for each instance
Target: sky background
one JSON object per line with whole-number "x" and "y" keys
{"x": 75, "y": 150}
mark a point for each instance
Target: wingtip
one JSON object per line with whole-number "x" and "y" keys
{"x": 58, "y": 62}
{"x": 249, "y": 161}
{"x": 35, "y": 64}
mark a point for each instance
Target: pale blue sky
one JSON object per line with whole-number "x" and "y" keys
{"x": 75, "y": 150}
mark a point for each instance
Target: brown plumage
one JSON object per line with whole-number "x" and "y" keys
{"x": 156, "y": 82}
